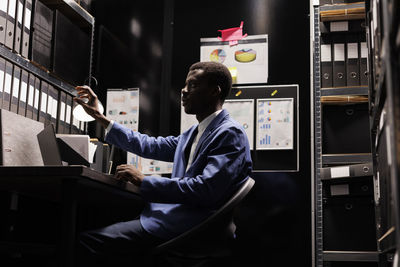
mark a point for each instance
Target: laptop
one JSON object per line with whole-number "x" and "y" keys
{"x": 55, "y": 152}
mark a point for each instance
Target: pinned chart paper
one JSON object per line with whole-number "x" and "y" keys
{"x": 274, "y": 124}
{"x": 242, "y": 110}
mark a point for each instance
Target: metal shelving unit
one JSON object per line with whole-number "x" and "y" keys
{"x": 323, "y": 163}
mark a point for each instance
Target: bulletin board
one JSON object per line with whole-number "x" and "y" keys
{"x": 269, "y": 115}
{"x": 274, "y": 142}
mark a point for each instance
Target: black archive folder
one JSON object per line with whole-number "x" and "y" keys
{"x": 16, "y": 83}
{"x": 18, "y": 26}
{"x": 26, "y": 28}
{"x": 61, "y": 117}
{"x": 53, "y": 104}
{"x": 42, "y": 35}
{"x": 2, "y": 78}
{"x": 352, "y": 62}
{"x": 326, "y": 65}
{"x": 339, "y": 71}
{"x": 7, "y": 86}
{"x": 3, "y": 20}
{"x": 363, "y": 63}
{"x": 43, "y": 103}
{"x": 36, "y": 100}
{"x": 68, "y": 114}
{"x": 11, "y": 13}
{"x": 31, "y": 96}
{"x": 23, "y": 93}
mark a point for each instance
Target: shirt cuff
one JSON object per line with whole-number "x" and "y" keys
{"x": 109, "y": 127}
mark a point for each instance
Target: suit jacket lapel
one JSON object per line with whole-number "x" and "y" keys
{"x": 214, "y": 123}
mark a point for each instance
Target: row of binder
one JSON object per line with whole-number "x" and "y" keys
{"x": 47, "y": 37}
{"x": 344, "y": 61}
{"x": 26, "y": 94}
{"x": 15, "y": 24}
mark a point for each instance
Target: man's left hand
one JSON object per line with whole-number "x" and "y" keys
{"x": 129, "y": 173}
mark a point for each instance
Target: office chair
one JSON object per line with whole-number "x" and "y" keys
{"x": 208, "y": 243}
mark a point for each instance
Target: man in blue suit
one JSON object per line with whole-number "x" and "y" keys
{"x": 211, "y": 160}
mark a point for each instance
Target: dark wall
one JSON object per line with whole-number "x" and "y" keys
{"x": 274, "y": 224}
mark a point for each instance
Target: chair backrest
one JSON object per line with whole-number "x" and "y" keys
{"x": 217, "y": 215}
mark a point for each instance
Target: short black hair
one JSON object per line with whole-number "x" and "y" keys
{"x": 217, "y": 74}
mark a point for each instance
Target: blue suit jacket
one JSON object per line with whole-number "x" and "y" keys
{"x": 221, "y": 163}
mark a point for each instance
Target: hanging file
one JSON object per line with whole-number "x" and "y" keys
{"x": 26, "y": 28}
{"x": 11, "y": 13}
{"x": 36, "y": 100}
{"x": 16, "y": 83}
{"x": 53, "y": 95}
{"x": 61, "y": 117}
{"x": 23, "y": 93}
{"x": 2, "y": 75}
{"x": 43, "y": 103}
{"x": 68, "y": 114}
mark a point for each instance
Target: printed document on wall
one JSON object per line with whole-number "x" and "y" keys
{"x": 242, "y": 110}
{"x": 274, "y": 124}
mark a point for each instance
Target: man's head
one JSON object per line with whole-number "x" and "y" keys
{"x": 207, "y": 86}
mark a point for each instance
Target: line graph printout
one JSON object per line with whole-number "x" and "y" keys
{"x": 242, "y": 111}
{"x": 274, "y": 128}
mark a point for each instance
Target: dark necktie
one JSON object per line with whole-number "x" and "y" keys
{"x": 189, "y": 145}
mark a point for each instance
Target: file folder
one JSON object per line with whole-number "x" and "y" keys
{"x": 36, "y": 100}
{"x": 61, "y": 117}
{"x": 339, "y": 72}
{"x": 31, "y": 96}
{"x": 353, "y": 64}
{"x": 363, "y": 63}
{"x": 11, "y": 12}
{"x": 326, "y": 65}
{"x": 16, "y": 83}
{"x": 43, "y": 103}
{"x": 42, "y": 35}
{"x": 26, "y": 28}
{"x": 68, "y": 114}
{"x": 3, "y": 20}
{"x": 23, "y": 93}
{"x": 53, "y": 112}
{"x": 18, "y": 26}
{"x": 75, "y": 122}
{"x": 2, "y": 76}
{"x": 7, "y": 86}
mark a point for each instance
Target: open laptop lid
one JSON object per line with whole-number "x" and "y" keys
{"x": 55, "y": 151}
{"x": 48, "y": 147}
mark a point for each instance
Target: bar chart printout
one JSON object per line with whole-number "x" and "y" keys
{"x": 274, "y": 129}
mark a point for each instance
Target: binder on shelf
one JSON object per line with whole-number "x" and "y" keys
{"x": 10, "y": 24}
{"x": 16, "y": 83}
{"x": 53, "y": 104}
{"x": 75, "y": 122}
{"x": 23, "y": 93}
{"x": 18, "y": 26}
{"x": 42, "y": 35}
{"x": 36, "y": 100}
{"x": 339, "y": 71}
{"x": 363, "y": 63}
{"x": 26, "y": 28}
{"x": 7, "y": 86}
{"x": 68, "y": 114}
{"x": 2, "y": 77}
{"x": 352, "y": 63}
{"x": 61, "y": 117}
{"x": 43, "y": 103}
{"x": 326, "y": 65}
{"x": 31, "y": 96}
{"x": 3, "y": 20}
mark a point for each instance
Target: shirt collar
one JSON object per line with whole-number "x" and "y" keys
{"x": 204, "y": 123}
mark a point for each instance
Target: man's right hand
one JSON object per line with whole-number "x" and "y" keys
{"x": 91, "y": 105}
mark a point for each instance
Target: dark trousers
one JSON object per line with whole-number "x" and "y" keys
{"x": 120, "y": 244}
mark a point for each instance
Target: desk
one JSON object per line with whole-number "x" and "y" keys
{"x": 69, "y": 186}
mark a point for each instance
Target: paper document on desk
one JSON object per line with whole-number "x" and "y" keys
{"x": 81, "y": 144}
